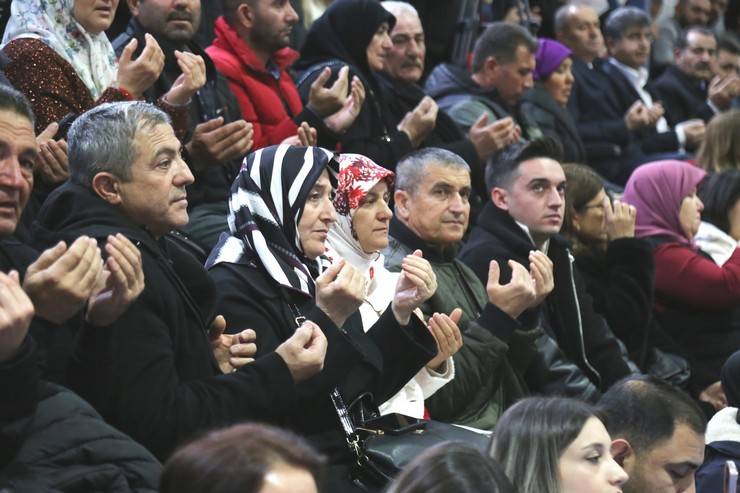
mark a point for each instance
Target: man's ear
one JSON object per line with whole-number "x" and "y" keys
{"x": 490, "y": 65}
{"x": 244, "y": 16}
{"x": 401, "y": 200}
{"x": 500, "y": 198}
{"x": 622, "y": 451}
{"x": 107, "y": 186}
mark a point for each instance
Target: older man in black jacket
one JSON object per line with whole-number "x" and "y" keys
{"x": 49, "y": 438}
{"x": 161, "y": 372}
{"x": 524, "y": 216}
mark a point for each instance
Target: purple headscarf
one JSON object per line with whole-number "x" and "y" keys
{"x": 657, "y": 190}
{"x": 550, "y": 54}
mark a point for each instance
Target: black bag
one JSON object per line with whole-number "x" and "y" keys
{"x": 380, "y": 454}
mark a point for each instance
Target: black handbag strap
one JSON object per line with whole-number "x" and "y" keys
{"x": 350, "y": 433}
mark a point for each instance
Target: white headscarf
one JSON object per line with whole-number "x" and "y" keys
{"x": 51, "y": 21}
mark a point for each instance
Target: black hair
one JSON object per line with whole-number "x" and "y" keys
{"x": 719, "y": 192}
{"x": 624, "y": 18}
{"x": 502, "y": 168}
{"x": 15, "y": 101}
{"x": 501, "y": 40}
{"x": 645, "y": 411}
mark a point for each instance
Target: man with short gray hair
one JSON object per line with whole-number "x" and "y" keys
{"x": 501, "y": 359}
{"x": 154, "y": 373}
{"x": 502, "y": 71}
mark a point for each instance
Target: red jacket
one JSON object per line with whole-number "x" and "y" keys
{"x": 685, "y": 276}
{"x": 271, "y": 105}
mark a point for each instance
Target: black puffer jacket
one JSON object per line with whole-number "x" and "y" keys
{"x": 54, "y": 441}
{"x": 570, "y": 318}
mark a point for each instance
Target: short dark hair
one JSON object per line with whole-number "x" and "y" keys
{"x": 624, "y": 18}
{"x": 236, "y": 459}
{"x": 501, "y": 170}
{"x": 683, "y": 37}
{"x": 15, "y": 101}
{"x": 729, "y": 42}
{"x": 451, "y": 466}
{"x": 645, "y": 411}
{"x": 230, "y": 7}
{"x": 501, "y": 40}
{"x": 719, "y": 192}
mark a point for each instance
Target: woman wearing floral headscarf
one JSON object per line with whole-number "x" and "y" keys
{"x": 357, "y": 236}
{"x": 61, "y": 59}
{"x": 694, "y": 297}
{"x": 272, "y": 274}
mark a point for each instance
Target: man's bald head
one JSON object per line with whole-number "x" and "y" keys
{"x": 578, "y": 27}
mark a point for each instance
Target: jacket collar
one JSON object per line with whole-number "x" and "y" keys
{"x": 228, "y": 39}
{"x": 433, "y": 253}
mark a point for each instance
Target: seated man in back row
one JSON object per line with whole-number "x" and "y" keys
{"x": 153, "y": 372}
{"x": 402, "y": 72}
{"x": 502, "y": 71}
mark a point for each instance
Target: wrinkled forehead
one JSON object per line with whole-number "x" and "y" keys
{"x": 407, "y": 23}
{"x": 436, "y": 173}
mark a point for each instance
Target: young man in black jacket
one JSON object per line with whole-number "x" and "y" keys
{"x": 524, "y": 216}
{"x": 161, "y": 372}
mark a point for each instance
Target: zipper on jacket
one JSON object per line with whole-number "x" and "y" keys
{"x": 571, "y": 259}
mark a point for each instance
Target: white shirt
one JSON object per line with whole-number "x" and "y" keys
{"x": 638, "y": 78}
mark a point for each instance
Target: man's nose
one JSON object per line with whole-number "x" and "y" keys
{"x": 11, "y": 174}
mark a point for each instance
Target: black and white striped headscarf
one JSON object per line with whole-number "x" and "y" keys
{"x": 266, "y": 203}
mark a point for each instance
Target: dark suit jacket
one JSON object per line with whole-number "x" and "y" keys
{"x": 684, "y": 97}
{"x": 651, "y": 141}
{"x": 594, "y": 106}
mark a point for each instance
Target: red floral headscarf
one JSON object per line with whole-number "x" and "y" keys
{"x": 357, "y": 175}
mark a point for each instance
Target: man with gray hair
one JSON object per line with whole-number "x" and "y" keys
{"x": 163, "y": 371}
{"x": 502, "y": 71}
{"x": 501, "y": 359}
{"x": 402, "y": 71}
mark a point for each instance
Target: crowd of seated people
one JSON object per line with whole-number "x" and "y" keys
{"x": 239, "y": 233}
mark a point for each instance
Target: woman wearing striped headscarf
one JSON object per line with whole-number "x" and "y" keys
{"x": 271, "y": 274}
